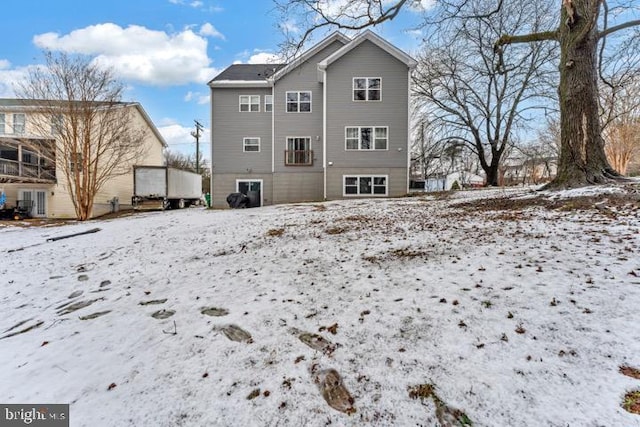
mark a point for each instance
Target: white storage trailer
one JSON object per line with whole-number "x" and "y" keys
{"x": 168, "y": 187}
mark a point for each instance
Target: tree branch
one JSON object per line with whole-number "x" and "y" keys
{"x": 526, "y": 38}
{"x": 345, "y": 19}
{"x": 622, "y": 26}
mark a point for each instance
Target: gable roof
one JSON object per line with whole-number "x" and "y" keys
{"x": 246, "y": 73}
{"x": 336, "y": 36}
{"x": 368, "y": 35}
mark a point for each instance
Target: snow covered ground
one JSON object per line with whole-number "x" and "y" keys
{"x": 518, "y": 311}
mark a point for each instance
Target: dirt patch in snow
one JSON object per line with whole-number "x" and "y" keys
{"x": 447, "y": 415}
{"x": 628, "y": 199}
{"x": 631, "y": 402}
{"x": 630, "y": 372}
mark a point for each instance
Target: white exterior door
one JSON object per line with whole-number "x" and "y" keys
{"x": 39, "y": 198}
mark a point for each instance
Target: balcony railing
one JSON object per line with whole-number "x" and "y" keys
{"x": 26, "y": 171}
{"x": 298, "y": 157}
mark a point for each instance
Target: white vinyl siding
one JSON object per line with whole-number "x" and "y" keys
{"x": 366, "y": 138}
{"x": 365, "y": 185}
{"x": 298, "y": 102}
{"x": 251, "y": 145}
{"x": 250, "y": 103}
{"x": 367, "y": 89}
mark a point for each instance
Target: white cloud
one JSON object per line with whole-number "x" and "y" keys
{"x": 179, "y": 139}
{"x": 137, "y": 53}
{"x": 290, "y": 27}
{"x": 263, "y": 58}
{"x": 176, "y": 134}
{"x": 209, "y": 30}
{"x": 10, "y": 78}
{"x": 197, "y": 4}
{"x": 199, "y": 97}
{"x": 421, "y": 5}
{"x": 258, "y": 57}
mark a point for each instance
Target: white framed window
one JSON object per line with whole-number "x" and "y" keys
{"x": 19, "y": 120}
{"x": 75, "y": 162}
{"x": 367, "y": 89}
{"x": 251, "y": 145}
{"x": 29, "y": 157}
{"x": 3, "y": 122}
{"x": 250, "y": 103}
{"x": 298, "y": 152}
{"x": 365, "y": 185}
{"x": 56, "y": 124}
{"x": 299, "y": 102}
{"x": 366, "y": 138}
{"x": 268, "y": 103}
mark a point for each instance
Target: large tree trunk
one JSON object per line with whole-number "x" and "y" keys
{"x": 492, "y": 171}
{"x": 582, "y": 159}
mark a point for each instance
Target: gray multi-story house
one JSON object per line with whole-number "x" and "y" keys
{"x": 331, "y": 124}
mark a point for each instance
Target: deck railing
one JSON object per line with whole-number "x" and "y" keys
{"x": 298, "y": 157}
{"x": 13, "y": 168}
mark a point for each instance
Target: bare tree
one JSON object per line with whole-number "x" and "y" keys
{"x": 457, "y": 83}
{"x": 580, "y": 31}
{"x": 620, "y": 101}
{"x": 426, "y": 149}
{"x": 622, "y": 144}
{"x": 549, "y": 136}
{"x": 314, "y": 15}
{"x": 78, "y": 103}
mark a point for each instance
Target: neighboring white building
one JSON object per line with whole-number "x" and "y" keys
{"x": 30, "y": 175}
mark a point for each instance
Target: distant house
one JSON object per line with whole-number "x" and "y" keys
{"x": 528, "y": 170}
{"x": 447, "y": 181}
{"x": 30, "y": 165}
{"x": 331, "y": 124}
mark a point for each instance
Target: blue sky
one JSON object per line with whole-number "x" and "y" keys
{"x": 164, "y": 50}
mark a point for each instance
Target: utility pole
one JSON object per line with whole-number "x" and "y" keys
{"x": 196, "y": 135}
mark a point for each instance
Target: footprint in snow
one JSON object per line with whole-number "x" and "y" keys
{"x": 214, "y": 311}
{"x": 163, "y": 314}
{"x": 95, "y": 315}
{"x": 334, "y": 392}
{"x": 235, "y": 333}
{"x": 70, "y": 308}
{"x": 314, "y": 341}
{"x": 153, "y": 302}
